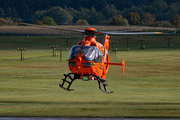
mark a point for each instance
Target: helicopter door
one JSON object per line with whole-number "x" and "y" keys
{"x": 97, "y": 62}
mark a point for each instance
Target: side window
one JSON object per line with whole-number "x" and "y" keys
{"x": 98, "y": 56}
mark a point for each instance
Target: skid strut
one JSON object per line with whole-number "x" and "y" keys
{"x": 101, "y": 81}
{"x": 76, "y": 76}
{"x": 69, "y": 82}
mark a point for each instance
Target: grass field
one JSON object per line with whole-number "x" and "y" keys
{"x": 149, "y": 88}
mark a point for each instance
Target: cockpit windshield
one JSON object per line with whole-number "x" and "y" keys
{"x": 74, "y": 51}
{"x": 89, "y": 53}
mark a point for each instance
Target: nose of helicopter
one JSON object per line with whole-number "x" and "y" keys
{"x": 80, "y": 66}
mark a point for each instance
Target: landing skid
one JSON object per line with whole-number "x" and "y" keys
{"x": 76, "y": 76}
{"x": 101, "y": 81}
{"x": 69, "y": 82}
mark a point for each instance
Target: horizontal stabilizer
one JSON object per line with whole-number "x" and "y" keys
{"x": 123, "y": 64}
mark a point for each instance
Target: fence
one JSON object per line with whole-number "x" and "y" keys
{"x": 119, "y": 42}
{"x": 147, "y": 42}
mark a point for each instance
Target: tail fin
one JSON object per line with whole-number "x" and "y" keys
{"x": 123, "y": 64}
{"x": 106, "y": 42}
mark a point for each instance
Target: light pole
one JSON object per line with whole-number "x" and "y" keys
{"x": 128, "y": 40}
{"x": 22, "y": 49}
{"x": 54, "y": 48}
{"x": 168, "y": 38}
{"x": 114, "y": 42}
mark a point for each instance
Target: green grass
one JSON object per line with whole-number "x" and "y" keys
{"x": 149, "y": 88}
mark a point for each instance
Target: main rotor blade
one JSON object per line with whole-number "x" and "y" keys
{"x": 134, "y": 32}
{"x": 82, "y": 31}
{"x": 131, "y": 33}
{"x": 124, "y": 32}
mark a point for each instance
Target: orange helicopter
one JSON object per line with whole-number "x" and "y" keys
{"x": 89, "y": 59}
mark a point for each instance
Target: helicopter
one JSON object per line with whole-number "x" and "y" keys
{"x": 89, "y": 59}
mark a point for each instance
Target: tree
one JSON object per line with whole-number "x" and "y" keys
{"x": 95, "y": 17}
{"x": 148, "y": 19}
{"x": 124, "y": 3}
{"x": 24, "y": 10}
{"x": 160, "y": 5}
{"x": 15, "y": 13}
{"x": 1, "y": 12}
{"x": 92, "y": 16}
{"x": 137, "y": 9}
{"x": 101, "y": 19}
{"x": 81, "y": 22}
{"x": 176, "y": 20}
{"x": 118, "y": 20}
{"x": 60, "y": 15}
{"x": 174, "y": 7}
{"x": 81, "y": 9}
{"x": 10, "y": 19}
{"x": 125, "y": 22}
{"x": 163, "y": 24}
{"x": 39, "y": 14}
{"x": 48, "y": 21}
{"x": 75, "y": 13}
{"x": 39, "y": 23}
{"x": 8, "y": 12}
{"x": 85, "y": 13}
{"x": 2, "y": 21}
{"x": 109, "y": 11}
{"x": 133, "y": 18}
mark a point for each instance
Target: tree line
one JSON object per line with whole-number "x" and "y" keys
{"x": 163, "y": 13}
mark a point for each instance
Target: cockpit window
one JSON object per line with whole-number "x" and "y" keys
{"x": 89, "y": 53}
{"x": 74, "y": 51}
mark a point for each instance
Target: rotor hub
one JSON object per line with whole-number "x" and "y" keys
{"x": 90, "y": 31}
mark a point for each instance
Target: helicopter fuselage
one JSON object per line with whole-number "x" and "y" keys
{"x": 89, "y": 57}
